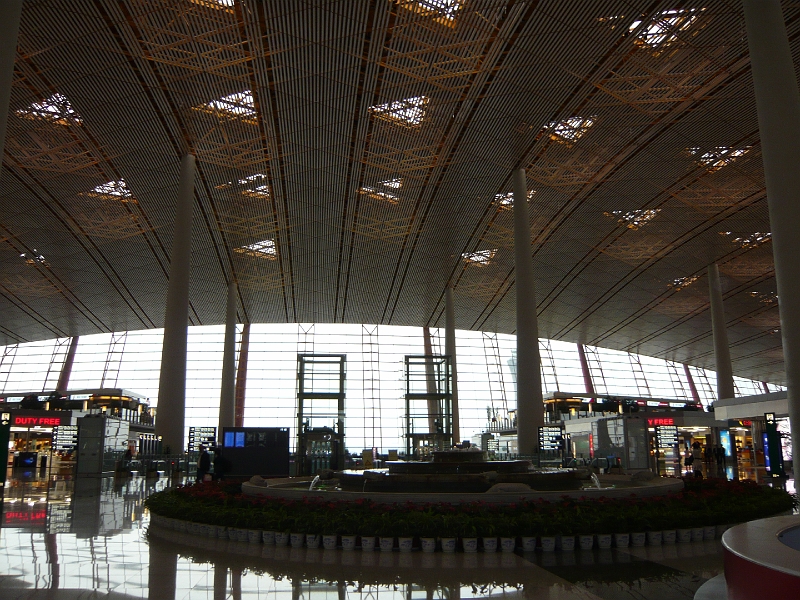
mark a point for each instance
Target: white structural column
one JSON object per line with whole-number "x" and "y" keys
{"x": 778, "y": 103}
{"x": 530, "y": 406}
{"x": 10, "y": 11}
{"x": 450, "y": 350}
{"x": 722, "y": 352}
{"x": 172, "y": 381}
{"x": 227, "y": 395}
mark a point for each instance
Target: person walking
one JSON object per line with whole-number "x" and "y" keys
{"x": 203, "y": 463}
{"x": 697, "y": 459}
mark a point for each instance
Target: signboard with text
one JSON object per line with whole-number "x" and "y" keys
{"x": 40, "y": 418}
{"x": 550, "y": 439}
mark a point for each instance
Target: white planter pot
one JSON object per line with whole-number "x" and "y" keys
{"x": 508, "y": 544}
{"x": 202, "y": 530}
{"x": 428, "y": 544}
{"x": 211, "y": 531}
{"x": 448, "y": 544}
{"x": 181, "y": 525}
{"x": 254, "y": 536}
{"x": 489, "y": 544}
{"x": 405, "y": 544}
{"x": 654, "y": 538}
{"x": 386, "y": 544}
{"x": 622, "y": 540}
{"x": 329, "y": 542}
{"x": 368, "y": 543}
{"x": 222, "y": 532}
{"x": 549, "y": 543}
{"x": 233, "y": 534}
{"x": 348, "y": 542}
{"x": 281, "y": 538}
{"x": 528, "y": 543}
{"x": 313, "y": 540}
{"x": 709, "y": 532}
{"x": 604, "y": 540}
{"x": 567, "y": 543}
{"x": 296, "y": 539}
{"x": 697, "y": 534}
{"x": 638, "y": 539}
{"x": 586, "y": 542}
{"x": 684, "y": 536}
{"x": 669, "y": 536}
{"x": 470, "y": 544}
{"x": 241, "y": 535}
{"x": 268, "y": 537}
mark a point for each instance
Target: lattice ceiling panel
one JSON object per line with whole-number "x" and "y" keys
{"x": 354, "y": 158}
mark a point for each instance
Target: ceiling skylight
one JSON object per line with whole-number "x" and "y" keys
{"x": 682, "y": 282}
{"x": 263, "y": 249}
{"x": 34, "y": 258}
{"x": 56, "y": 109}
{"x": 113, "y": 190}
{"x": 765, "y": 297}
{"x": 409, "y": 111}
{"x": 395, "y": 184}
{"x": 379, "y": 194}
{"x": 569, "y": 130}
{"x": 215, "y": 3}
{"x": 443, "y": 8}
{"x": 718, "y": 157}
{"x": 749, "y": 241}
{"x": 239, "y": 106}
{"x": 253, "y": 185}
{"x": 479, "y": 258}
{"x": 664, "y": 28}
{"x": 634, "y": 219}
{"x": 506, "y": 200}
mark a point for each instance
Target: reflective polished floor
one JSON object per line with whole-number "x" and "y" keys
{"x": 89, "y": 539}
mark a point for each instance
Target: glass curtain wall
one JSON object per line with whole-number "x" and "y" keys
{"x": 374, "y": 401}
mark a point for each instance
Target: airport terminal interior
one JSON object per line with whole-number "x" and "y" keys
{"x": 317, "y": 239}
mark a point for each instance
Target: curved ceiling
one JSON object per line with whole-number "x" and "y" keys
{"x": 355, "y": 157}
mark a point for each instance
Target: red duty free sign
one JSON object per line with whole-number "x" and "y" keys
{"x": 40, "y": 418}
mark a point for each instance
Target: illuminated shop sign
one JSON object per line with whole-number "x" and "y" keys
{"x": 660, "y": 422}
{"x": 36, "y": 421}
{"x": 36, "y": 516}
{"x": 40, "y": 418}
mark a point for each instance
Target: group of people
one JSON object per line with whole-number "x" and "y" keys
{"x": 696, "y": 456}
{"x": 204, "y": 464}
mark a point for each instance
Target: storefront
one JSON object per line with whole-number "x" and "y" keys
{"x": 30, "y": 448}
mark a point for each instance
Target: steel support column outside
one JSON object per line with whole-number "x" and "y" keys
{"x": 227, "y": 394}
{"x": 241, "y": 376}
{"x": 692, "y": 386}
{"x": 450, "y": 350}
{"x": 530, "y": 405}
{"x": 10, "y": 11}
{"x": 172, "y": 381}
{"x": 430, "y": 381}
{"x": 722, "y": 352}
{"x": 587, "y": 374}
{"x": 778, "y": 103}
{"x": 66, "y": 368}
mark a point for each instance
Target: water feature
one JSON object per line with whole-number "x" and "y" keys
{"x": 314, "y": 482}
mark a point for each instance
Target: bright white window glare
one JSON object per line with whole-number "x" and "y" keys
{"x": 444, "y": 8}
{"x": 263, "y": 249}
{"x": 409, "y": 111}
{"x": 237, "y": 105}
{"x": 718, "y": 157}
{"x": 57, "y": 108}
{"x": 663, "y": 29}
{"x": 395, "y": 183}
{"x": 252, "y": 185}
{"x": 569, "y": 130}
{"x": 506, "y": 200}
{"x": 112, "y": 189}
{"x": 765, "y": 297}
{"x": 479, "y": 257}
{"x": 634, "y": 219}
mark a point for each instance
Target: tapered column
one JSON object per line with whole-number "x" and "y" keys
{"x": 227, "y": 395}
{"x": 530, "y": 406}
{"x": 450, "y": 350}
{"x": 172, "y": 382}
{"x": 66, "y": 368}
{"x": 241, "y": 376}
{"x": 10, "y": 11}
{"x": 722, "y": 352}
{"x": 778, "y": 103}
{"x": 430, "y": 381}
{"x": 587, "y": 374}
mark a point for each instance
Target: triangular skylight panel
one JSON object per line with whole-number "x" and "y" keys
{"x": 112, "y": 190}
{"x": 569, "y": 130}
{"x": 664, "y": 28}
{"x": 238, "y": 106}
{"x": 479, "y": 258}
{"x": 252, "y": 185}
{"x": 409, "y": 111}
{"x": 716, "y": 158}
{"x": 634, "y": 219}
{"x": 440, "y": 8}
{"x": 56, "y": 109}
{"x": 263, "y": 249}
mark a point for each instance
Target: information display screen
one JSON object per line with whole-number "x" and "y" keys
{"x": 550, "y": 439}
{"x": 666, "y": 436}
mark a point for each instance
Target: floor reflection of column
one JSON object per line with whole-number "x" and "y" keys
{"x": 51, "y": 546}
{"x": 220, "y": 582}
{"x": 297, "y": 589}
{"x": 162, "y": 577}
{"x": 236, "y": 583}
{"x": 341, "y": 590}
